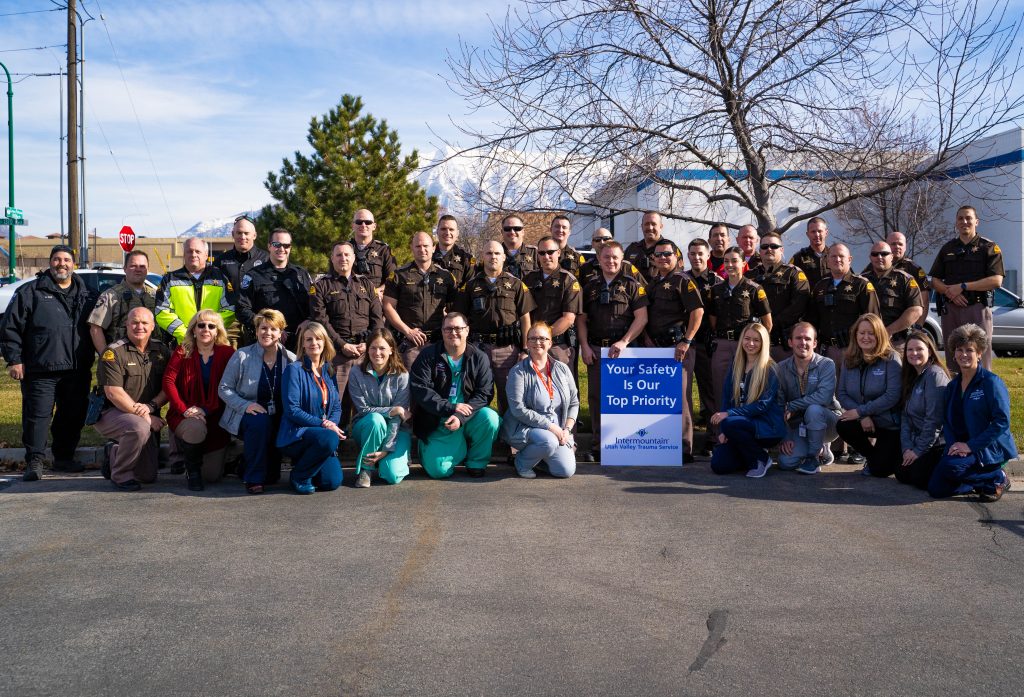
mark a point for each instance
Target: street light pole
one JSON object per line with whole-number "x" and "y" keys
{"x": 10, "y": 168}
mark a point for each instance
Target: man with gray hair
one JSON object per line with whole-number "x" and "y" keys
{"x": 195, "y": 286}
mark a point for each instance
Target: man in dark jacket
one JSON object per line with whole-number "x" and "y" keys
{"x": 242, "y": 258}
{"x": 452, "y": 384}
{"x": 277, "y": 284}
{"x": 46, "y": 343}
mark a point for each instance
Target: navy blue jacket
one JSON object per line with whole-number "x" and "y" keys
{"x": 987, "y": 415}
{"x": 430, "y": 381}
{"x": 301, "y": 400}
{"x": 766, "y": 411}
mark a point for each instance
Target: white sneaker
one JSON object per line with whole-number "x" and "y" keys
{"x": 526, "y": 474}
{"x": 826, "y": 456}
{"x": 760, "y": 470}
{"x": 363, "y": 480}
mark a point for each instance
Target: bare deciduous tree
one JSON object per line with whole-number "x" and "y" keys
{"x": 735, "y": 102}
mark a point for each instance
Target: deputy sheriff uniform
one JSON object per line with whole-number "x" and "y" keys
{"x": 571, "y": 260}
{"x": 835, "y": 306}
{"x": 814, "y": 265}
{"x": 521, "y": 262}
{"x": 702, "y": 345}
{"x": 421, "y": 300}
{"x": 285, "y": 290}
{"x": 639, "y": 255}
{"x": 672, "y": 298}
{"x": 458, "y": 261}
{"x": 608, "y": 310}
{"x": 910, "y": 267}
{"x": 375, "y": 261}
{"x": 591, "y": 269}
{"x": 732, "y": 308}
{"x": 349, "y": 309}
{"x": 140, "y": 374}
{"x": 788, "y": 293}
{"x": 114, "y": 304}
{"x": 553, "y": 296}
{"x": 896, "y": 292}
{"x": 958, "y": 264}
{"x": 493, "y": 311}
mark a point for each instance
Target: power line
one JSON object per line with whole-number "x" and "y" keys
{"x": 31, "y": 12}
{"x": 34, "y": 48}
{"x": 110, "y": 149}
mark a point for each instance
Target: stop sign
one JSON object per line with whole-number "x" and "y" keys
{"x": 127, "y": 239}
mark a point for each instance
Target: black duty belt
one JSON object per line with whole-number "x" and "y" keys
{"x": 493, "y": 339}
{"x": 838, "y": 341}
{"x": 729, "y": 334}
{"x": 900, "y": 336}
{"x": 561, "y": 339}
{"x": 604, "y": 343}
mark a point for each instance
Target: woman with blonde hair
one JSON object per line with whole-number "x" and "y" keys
{"x": 379, "y": 390}
{"x": 191, "y": 382}
{"x": 309, "y": 432}
{"x": 869, "y": 393}
{"x": 752, "y": 418}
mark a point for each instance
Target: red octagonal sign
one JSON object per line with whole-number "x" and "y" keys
{"x": 127, "y": 239}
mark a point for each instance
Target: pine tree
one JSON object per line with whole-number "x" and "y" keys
{"x": 356, "y": 163}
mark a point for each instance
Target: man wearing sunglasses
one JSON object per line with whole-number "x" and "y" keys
{"x": 373, "y": 257}
{"x": 280, "y": 285}
{"x": 673, "y": 318}
{"x": 899, "y": 296}
{"x": 556, "y": 293}
{"x": 243, "y": 256}
{"x": 639, "y": 253}
{"x": 520, "y": 259}
{"x": 787, "y": 290}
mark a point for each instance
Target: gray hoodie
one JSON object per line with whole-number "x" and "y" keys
{"x": 921, "y": 427}
{"x": 820, "y": 389}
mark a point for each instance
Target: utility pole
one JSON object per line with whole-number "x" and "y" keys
{"x": 74, "y": 226}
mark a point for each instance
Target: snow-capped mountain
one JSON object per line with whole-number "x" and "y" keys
{"x": 215, "y": 227}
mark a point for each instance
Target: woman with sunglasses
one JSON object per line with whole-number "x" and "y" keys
{"x": 751, "y": 420}
{"x": 869, "y": 393}
{"x": 379, "y": 390}
{"x": 543, "y": 403}
{"x": 251, "y": 391}
{"x": 309, "y": 432}
{"x": 191, "y": 383}
{"x": 924, "y": 399}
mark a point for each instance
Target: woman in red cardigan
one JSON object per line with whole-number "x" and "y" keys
{"x": 190, "y": 382}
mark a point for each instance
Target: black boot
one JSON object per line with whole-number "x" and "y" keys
{"x": 194, "y": 465}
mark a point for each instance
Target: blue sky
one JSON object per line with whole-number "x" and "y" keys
{"x": 224, "y": 89}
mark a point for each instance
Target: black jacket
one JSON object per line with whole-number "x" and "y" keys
{"x": 430, "y": 381}
{"x": 286, "y": 290}
{"x": 45, "y": 327}
{"x": 234, "y": 264}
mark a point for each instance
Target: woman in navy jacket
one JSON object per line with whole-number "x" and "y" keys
{"x": 309, "y": 432}
{"x": 977, "y": 425}
{"x": 752, "y": 420}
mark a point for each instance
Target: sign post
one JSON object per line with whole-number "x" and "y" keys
{"x": 127, "y": 239}
{"x": 642, "y": 408}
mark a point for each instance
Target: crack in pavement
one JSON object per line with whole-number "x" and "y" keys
{"x": 717, "y": 621}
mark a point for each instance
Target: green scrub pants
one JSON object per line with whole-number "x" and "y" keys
{"x": 370, "y": 431}
{"x": 445, "y": 449}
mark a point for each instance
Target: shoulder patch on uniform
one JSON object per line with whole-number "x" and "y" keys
{"x": 575, "y": 285}
{"x": 312, "y": 290}
{"x": 870, "y": 288}
{"x": 761, "y": 295}
{"x": 801, "y": 276}
{"x": 691, "y": 286}
{"x": 913, "y": 283}
{"x": 996, "y": 249}
{"x": 108, "y": 355}
{"x": 641, "y": 290}
{"x": 230, "y": 287}
{"x": 246, "y": 281}
{"x": 583, "y": 259}
{"x": 634, "y": 269}
{"x": 921, "y": 274}
{"x": 525, "y": 289}
{"x": 792, "y": 260}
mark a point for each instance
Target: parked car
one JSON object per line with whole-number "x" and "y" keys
{"x": 97, "y": 280}
{"x": 1007, "y": 324}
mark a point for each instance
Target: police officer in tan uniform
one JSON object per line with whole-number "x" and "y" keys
{"x": 673, "y": 318}
{"x": 837, "y": 301}
{"x": 897, "y": 242}
{"x": 373, "y": 257}
{"x": 107, "y": 319}
{"x": 965, "y": 273}
{"x": 571, "y": 260}
{"x": 899, "y": 296}
{"x": 498, "y": 306}
{"x": 416, "y": 298}
{"x": 449, "y": 255}
{"x": 346, "y": 304}
{"x": 787, "y": 290}
{"x": 639, "y": 253}
{"x": 734, "y": 304}
{"x": 131, "y": 372}
{"x": 556, "y": 293}
{"x": 591, "y": 269}
{"x": 699, "y": 252}
{"x": 813, "y": 259}
{"x": 614, "y": 316}
{"x": 520, "y": 259}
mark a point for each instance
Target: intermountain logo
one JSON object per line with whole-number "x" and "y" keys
{"x": 642, "y": 432}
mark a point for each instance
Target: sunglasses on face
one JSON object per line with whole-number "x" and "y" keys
{"x": 281, "y": 245}
{"x": 765, "y": 247}
{"x": 601, "y": 239}
{"x": 881, "y": 254}
{"x": 206, "y": 325}
{"x": 546, "y": 252}
{"x": 662, "y": 255}
{"x": 362, "y": 222}
{"x": 513, "y": 228}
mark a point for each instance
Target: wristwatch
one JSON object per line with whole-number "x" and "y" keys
{"x": 963, "y": 287}
{"x": 686, "y": 341}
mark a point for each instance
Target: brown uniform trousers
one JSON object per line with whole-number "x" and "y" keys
{"x": 957, "y": 316}
{"x": 135, "y": 454}
{"x": 503, "y": 360}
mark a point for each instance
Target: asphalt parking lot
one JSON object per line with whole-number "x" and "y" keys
{"x": 615, "y": 582}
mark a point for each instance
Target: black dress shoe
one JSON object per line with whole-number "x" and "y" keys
{"x": 688, "y": 458}
{"x": 195, "y": 481}
{"x": 130, "y": 485}
{"x": 68, "y": 466}
{"x": 476, "y": 472}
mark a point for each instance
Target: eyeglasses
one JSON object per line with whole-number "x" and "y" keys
{"x": 601, "y": 239}
{"x": 281, "y": 245}
{"x": 547, "y": 252}
{"x": 206, "y": 325}
{"x": 765, "y": 247}
{"x": 662, "y": 255}
{"x": 881, "y": 254}
{"x": 454, "y": 330}
{"x": 513, "y": 228}
{"x": 542, "y": 339}
{"x": 363, "y": 222}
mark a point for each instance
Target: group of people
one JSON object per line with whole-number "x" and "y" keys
{"x": 381, "y": 352}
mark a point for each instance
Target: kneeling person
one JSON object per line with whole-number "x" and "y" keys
{"x": 131, "y": 372}
{"x": 807, "y": 382}
{"x": 452, "y": 384}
